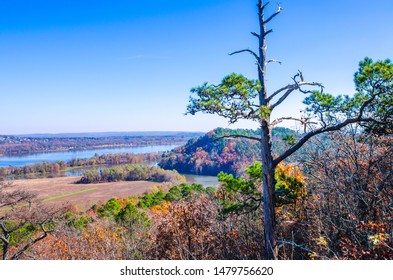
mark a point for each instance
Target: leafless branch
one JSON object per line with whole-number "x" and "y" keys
{"x": 279, "y": 9}
{"x": 256, "y": 35}
{"x": 278, "y": 92}
{"x": 286, "y": 94}
{"x": 262, "y": 7}
{"x": 247, "y": 50}
{"x": 313, "y": 133}
{"x": 32, "y": 242}
{"x": 292, "y": 87}
{"x": 280, "y": 120}
{"x": 267, "y": 32}
{"x": 10, "y": 196}
{"x": 283, "y": 242}
{"x": 274, "y": 61}
{"x": 322, "y": 119}
{"x": 259, "y": 67}
{"x": 238, "y": 136}
{"x": 301, "y": 83}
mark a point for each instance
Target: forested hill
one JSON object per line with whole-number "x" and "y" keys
{"x": 210, "y": 154}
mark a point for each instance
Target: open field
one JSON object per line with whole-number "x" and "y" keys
{"x": 59, "y": 191}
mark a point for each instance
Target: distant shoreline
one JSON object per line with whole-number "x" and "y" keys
{"x": 23, "y": 146}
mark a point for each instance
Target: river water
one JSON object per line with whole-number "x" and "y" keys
{"x": 69, "y": 155}
{"x": 207, "y": 181}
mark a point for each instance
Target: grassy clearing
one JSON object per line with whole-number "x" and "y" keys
{"x": 68, "y": 194}
{"x": 55, "y": 197}
{"x": 57, "y": 191}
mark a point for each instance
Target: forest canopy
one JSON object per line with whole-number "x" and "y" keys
{"x": 212, "y": 153}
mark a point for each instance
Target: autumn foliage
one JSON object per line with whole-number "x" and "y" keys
{"x": 334, "y": 202}
{"x": 349, "y": 211}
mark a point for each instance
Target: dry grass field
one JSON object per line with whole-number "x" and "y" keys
{"x": 63, "y": 191}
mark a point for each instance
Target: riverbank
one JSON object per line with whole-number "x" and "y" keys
{"x": 19, "y": 161}
{"x": 41, "y": 143}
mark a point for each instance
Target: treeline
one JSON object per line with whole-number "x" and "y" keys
{"x": 155, "y": 198}
{"x": 15, "y": 145}
{"x": 131, "y": 172}
{"x": 116, "y": 159}
{"x": 59, "y": 167}
{"x": 211, "y": 153}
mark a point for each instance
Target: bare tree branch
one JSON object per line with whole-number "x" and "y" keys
{"x": 262, "y": 7}
{"x": 273, "y": 15}
{"x": 291, "y": 88}
{"x": 306, "y": 137}
{"x": 274, "y": 61}
{"x": 238, "y": 136}
{"x": 286, "y": 94}
{"x": 247, "y": 50}
{"x": 301, "y": 83}
{"x": 283, "y": 242}
{"x": 13, "y": 197}
{"x": 267, "y": 32}
{"x": 280, "y": 120}
{"x": 278, "y": 92}
{"x": 256, "y": 35}
{"x": 304, "y": 121}
{"x": 31, "y": 243}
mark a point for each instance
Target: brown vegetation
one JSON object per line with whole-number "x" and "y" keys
{"x": 54, "y": 187}
{"x": 22, "y": 222}
{"x": 349, "y": 214}
{"x": 338, "y": 207}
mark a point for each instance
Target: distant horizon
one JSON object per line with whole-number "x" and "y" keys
{"x": 155, "y": 132}
{"x": 121, "y": 133}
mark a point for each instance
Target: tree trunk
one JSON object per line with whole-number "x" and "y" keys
{"x": 5, "y": 249}
{"x": 268, "y": 185}
{"x": 268, "y": 182}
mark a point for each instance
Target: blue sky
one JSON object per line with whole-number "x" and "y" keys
{"x": 90, "y": 65}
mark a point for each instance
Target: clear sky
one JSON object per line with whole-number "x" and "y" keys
{"x": 128, "y": 65}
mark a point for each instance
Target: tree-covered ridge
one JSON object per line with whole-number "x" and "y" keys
{"x": 131, "y": 172}
{"x": 212, "y": 153}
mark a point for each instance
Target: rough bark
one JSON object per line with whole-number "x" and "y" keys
{"x": 268, "y": 181}
{"x": 268, "y": 185}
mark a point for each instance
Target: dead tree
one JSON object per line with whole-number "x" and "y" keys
{"x": 240, "y": 98}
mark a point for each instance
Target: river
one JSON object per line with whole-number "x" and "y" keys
{"x": 69, "y": 155}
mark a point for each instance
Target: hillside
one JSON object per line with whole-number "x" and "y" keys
{"x": 210, "y": 154}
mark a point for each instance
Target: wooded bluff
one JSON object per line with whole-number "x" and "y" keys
{"x": 211, "y": 153}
